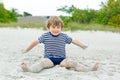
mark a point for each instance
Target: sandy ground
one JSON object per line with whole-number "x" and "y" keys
{"x": 103, "y": 47}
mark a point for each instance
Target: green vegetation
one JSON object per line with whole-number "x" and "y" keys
{"x": 78, "y": 26}
{"x": 73, "y": 26}
{"x": 23, "y": 25}
{"x": 7, "y": 16}
{"x": 108, "y": 15}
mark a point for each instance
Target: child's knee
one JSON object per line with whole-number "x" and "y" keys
{"x": 63, "y": 63}
{"x": 44, "y": 63}
{"x": 71, "y": 63}
{"x": 47, "y": 63}
{"x": 37, "y": 67}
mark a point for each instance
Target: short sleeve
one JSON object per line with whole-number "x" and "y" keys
{"x": 68, "y": 39}
{"x": 41, "y": 39}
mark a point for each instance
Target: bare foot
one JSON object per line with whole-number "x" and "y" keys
{"x": 24, "y": 67}
{"x": 95, "y": 67}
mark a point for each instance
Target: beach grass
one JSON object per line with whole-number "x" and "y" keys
{"x": 73, "y": 26}
{"x": 91, "y": 26}
{"x": 23, "y": 25}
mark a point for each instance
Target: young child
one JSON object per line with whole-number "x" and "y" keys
{"x": 54, "y": 53}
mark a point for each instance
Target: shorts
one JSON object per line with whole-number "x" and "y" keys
{"x": 56, "y": 61}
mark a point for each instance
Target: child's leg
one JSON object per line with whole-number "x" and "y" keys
{"x": 83, "y": 68}
{"x": 45, "y": 63}
{"x": 78, "y": 67}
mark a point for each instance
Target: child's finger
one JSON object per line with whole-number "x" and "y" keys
{"x": 23, "y": 51}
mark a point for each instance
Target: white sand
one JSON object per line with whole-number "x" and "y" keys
{"x": 103, "y": 47}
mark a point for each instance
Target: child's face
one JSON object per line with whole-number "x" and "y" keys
{"x": 55, "y": 29}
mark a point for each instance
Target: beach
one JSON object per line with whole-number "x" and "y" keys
{"x": 103, "y": 47}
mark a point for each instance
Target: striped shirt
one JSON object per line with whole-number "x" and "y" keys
{"x": 54, "y": 46}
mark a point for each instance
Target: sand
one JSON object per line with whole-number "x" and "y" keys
{"x": 104, "y": 47}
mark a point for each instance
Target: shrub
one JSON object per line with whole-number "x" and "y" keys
{"x": 115, "y": 21}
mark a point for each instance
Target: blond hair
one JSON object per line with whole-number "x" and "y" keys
{"x": 55, "y": 20}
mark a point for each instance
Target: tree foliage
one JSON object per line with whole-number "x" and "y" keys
{"x": 10, "y": 15}
{"x": 109, "y": 14}
{"x": 67, "y": 9}
{"x": 83, "y": 16}
{"x": 108, "y": 11}
{"x": 26, "y": 14}
{"x": 6, "y": 15}
{"x": 115, "y": 21}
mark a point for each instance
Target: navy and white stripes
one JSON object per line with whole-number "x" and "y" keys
{"x": 54, "y": 45}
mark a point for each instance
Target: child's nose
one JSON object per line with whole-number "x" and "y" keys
{"x": 56, "y": 27}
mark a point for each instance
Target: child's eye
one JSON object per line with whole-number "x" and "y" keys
{"x": 53, "y": 26}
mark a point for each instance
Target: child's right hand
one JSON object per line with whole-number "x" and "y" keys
{"x": 85, "y": 46}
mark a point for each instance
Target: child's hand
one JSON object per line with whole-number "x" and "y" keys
{"x": 85, "y": 46}
{"x": 23, "y": 51}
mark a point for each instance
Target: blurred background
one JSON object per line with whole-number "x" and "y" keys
{"x": 77, "y": 14}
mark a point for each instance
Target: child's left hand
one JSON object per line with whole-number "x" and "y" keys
{"x": 23, "y": 51}
{"x": 85, "y": 46}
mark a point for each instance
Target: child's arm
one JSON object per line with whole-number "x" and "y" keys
{"x": 78, "y": 43}
{"x": 33, "y": 44}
